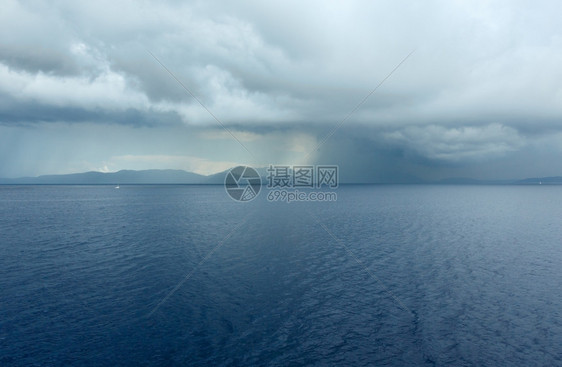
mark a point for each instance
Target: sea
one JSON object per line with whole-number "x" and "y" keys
{"x": 386, "y": 275}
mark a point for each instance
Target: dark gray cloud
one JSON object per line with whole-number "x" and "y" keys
{"x": 480, "y": 95}
{"x": 18, "y": 113}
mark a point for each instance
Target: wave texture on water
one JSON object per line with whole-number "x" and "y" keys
{"x": 387, "y": 275}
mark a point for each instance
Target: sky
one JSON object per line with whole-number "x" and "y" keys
{"x": 469, "y": 88}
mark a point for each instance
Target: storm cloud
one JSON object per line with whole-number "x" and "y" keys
{"x": 480, "y": 96}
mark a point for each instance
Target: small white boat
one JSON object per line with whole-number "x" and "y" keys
{"x": 117, "y": 186}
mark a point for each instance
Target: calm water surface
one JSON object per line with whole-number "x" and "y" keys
{"x": 387, "y": 275}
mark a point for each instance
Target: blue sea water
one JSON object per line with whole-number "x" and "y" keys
{"x": 183, "y": 275}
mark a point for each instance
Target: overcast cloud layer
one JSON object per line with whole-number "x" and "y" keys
{"x": 481, "y": 96}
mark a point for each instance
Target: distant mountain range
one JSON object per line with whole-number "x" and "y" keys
{"x": 179, "y": 177}
{"x": 152, "y": 176}
{"x": 557, "y": 180}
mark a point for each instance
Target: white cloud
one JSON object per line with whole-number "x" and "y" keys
{"x": 483, "y": 82}
{"x": 108, "y": 90}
